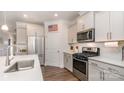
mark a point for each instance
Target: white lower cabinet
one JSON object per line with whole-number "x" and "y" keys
{"x": 68, "y": 61}
{"x": 99, "y": 71}
{"x": 109, "y": 76}
{"x": 95, "y": 72}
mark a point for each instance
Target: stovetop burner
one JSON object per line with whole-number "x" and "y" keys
{"x": 87, "y": 52}
{"x": 80, "y": 56}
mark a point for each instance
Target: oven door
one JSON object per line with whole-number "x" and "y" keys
{"x": 80, "y": 68}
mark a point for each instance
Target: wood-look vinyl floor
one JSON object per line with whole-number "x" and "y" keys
{"x": 51, "y": 73}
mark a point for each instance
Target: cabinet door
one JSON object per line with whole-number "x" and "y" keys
{"x": 86, "y": 21}
{"x": 101, "y": 26}
{"x": 21, "y": 36}
{"x": 117, "y": 25}
{"x": 69, "y": 64}
{"x": 95, "y": 73}
{"x": 65, "y": 60}
{"x": 72, "y": 34}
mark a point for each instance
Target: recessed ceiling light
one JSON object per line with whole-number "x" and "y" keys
{"x": 55, "y": 14}
{"x": 25, "y": 16}
{"x": 4, "y": 27}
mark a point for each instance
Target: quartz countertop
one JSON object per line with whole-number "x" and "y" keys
{"x": 111, "y": 61}
{"x": 34, "y": 74}
{"x": 70, "y": 52}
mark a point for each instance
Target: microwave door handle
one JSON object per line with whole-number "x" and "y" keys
{"x": 87, "y": 35}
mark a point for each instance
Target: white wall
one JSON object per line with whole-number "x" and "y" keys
{"x": 60, "y": 39}
{"x": 108, "y": 52}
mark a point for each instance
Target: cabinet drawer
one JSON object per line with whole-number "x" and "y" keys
{"x": 97, "y": 63}
{"x": 111, "y": 68}
{"x": 115, "y": 69}
{"x": 67, "y": 54}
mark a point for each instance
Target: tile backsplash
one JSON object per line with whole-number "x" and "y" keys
{"x": 108, "y": 52}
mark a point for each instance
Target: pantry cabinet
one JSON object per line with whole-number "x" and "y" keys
{"x": 86, "y": 21}
{"x": 100, "y": 71}
{"x": 109, "y": 26}
{"x": 68, "y": 61}
{"x": 72, "y": 34}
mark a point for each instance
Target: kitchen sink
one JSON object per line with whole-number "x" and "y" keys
{"x": 21, "y": 66}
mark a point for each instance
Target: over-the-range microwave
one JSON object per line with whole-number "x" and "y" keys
{"x": 86, "y": 36}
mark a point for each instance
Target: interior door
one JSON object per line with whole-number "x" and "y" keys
{"x": 52, "y": 49}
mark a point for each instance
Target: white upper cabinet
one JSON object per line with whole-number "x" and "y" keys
{"x": 101, "y": 26}
{"x": 72, "y": 34}
{"x": 21, "y": 34}
{"x": 20, "y": 25}
{"x": 33, "y": 29}
{"x": 23, "y": 30}
{"x": 109, "y": 26}
{"x": 117, "y": 25}
{"x": 86, "y": 21}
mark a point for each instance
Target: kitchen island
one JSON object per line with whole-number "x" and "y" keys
{"x": 34, "y": 74}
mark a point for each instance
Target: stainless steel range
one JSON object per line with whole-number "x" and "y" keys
{"x": 80, "y": 61}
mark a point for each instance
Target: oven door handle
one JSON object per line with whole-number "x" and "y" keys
{"x": 80, "y": 60}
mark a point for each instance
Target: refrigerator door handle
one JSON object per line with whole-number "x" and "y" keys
{"x": 36, "y": 51}
{"x": 35, "y": 45}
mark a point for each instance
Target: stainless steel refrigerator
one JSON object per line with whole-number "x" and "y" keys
{"x": 36, "y": 46}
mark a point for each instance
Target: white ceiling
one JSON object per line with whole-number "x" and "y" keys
{"x": 36, "y": 16}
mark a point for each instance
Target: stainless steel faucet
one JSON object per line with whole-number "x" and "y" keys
{"x": 7, "y": 57}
